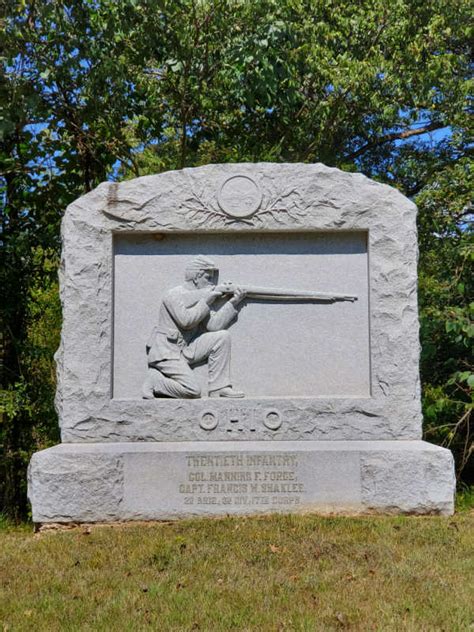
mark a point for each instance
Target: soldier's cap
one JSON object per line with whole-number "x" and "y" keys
{"x": 201, "y": 263}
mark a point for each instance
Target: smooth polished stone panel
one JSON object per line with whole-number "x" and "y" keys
{"x": 310, "y": 349}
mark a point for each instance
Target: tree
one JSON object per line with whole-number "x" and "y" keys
{"x": 96, "y": 89}
{"x": 447, "y": 310}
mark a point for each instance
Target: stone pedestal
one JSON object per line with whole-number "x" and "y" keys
{"x": 97, "y": 482}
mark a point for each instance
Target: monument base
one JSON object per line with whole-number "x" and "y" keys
{"x": 109, "y": 482}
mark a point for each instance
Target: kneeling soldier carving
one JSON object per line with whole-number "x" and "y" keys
{"x": 189, "y": 332}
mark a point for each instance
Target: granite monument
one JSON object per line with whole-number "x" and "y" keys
{"x": 292, "y": 386}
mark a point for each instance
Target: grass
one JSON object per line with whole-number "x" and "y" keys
{"x": 267, "y": 573}
{"x": 465, "y": 498}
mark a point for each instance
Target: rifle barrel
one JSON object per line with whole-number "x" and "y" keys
{"x": 282, "y": 294}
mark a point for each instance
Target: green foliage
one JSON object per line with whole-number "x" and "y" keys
{"x": 102, "y": 89}
{"x": 465, "y": 498}
{"x": 300, "y": 81}
{"x": 447, "y": 310}
{"x": 27, "y": 417}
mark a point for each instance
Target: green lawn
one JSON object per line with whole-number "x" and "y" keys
{"x": 270, "y": 573}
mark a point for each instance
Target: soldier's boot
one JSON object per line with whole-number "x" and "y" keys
{"x": 227, "y": 391}
{"x": 152, "y": 384}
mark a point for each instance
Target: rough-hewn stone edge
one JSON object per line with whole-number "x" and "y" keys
{"x": 86, "y": 484}
{"x": 80, "y": 483}
{"x": 303, "y": 419}
{"x": 408, "y": 482}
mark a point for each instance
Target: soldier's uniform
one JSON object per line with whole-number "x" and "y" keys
{"x": 188, "y": 332}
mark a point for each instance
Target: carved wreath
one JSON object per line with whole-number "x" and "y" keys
{"x": 285, "y": 207}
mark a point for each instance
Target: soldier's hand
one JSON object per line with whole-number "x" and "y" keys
{"x": 238, "y": 297}
{"x": 212, "y": 295}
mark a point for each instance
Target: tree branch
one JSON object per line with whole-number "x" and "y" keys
{"x": 388, "y": 138}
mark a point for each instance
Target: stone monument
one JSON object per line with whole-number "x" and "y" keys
{"x": 239, "y": 338}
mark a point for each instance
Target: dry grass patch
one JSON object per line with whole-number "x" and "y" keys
{"x": 272, "y": 573}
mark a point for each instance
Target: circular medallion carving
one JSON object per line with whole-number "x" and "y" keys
{"x": 209, "y": 420}
{"x": 272, "y": 419}
{"x": 239, "y": 196}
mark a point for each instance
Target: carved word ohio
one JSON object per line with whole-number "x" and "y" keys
{"x": 241, "y": 419}
{"x": 242, "y": 480}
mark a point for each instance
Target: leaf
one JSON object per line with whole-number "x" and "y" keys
{"x": 341, "y": 618}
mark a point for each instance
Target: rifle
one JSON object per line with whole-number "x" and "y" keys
{"x": 282, "y": 294}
